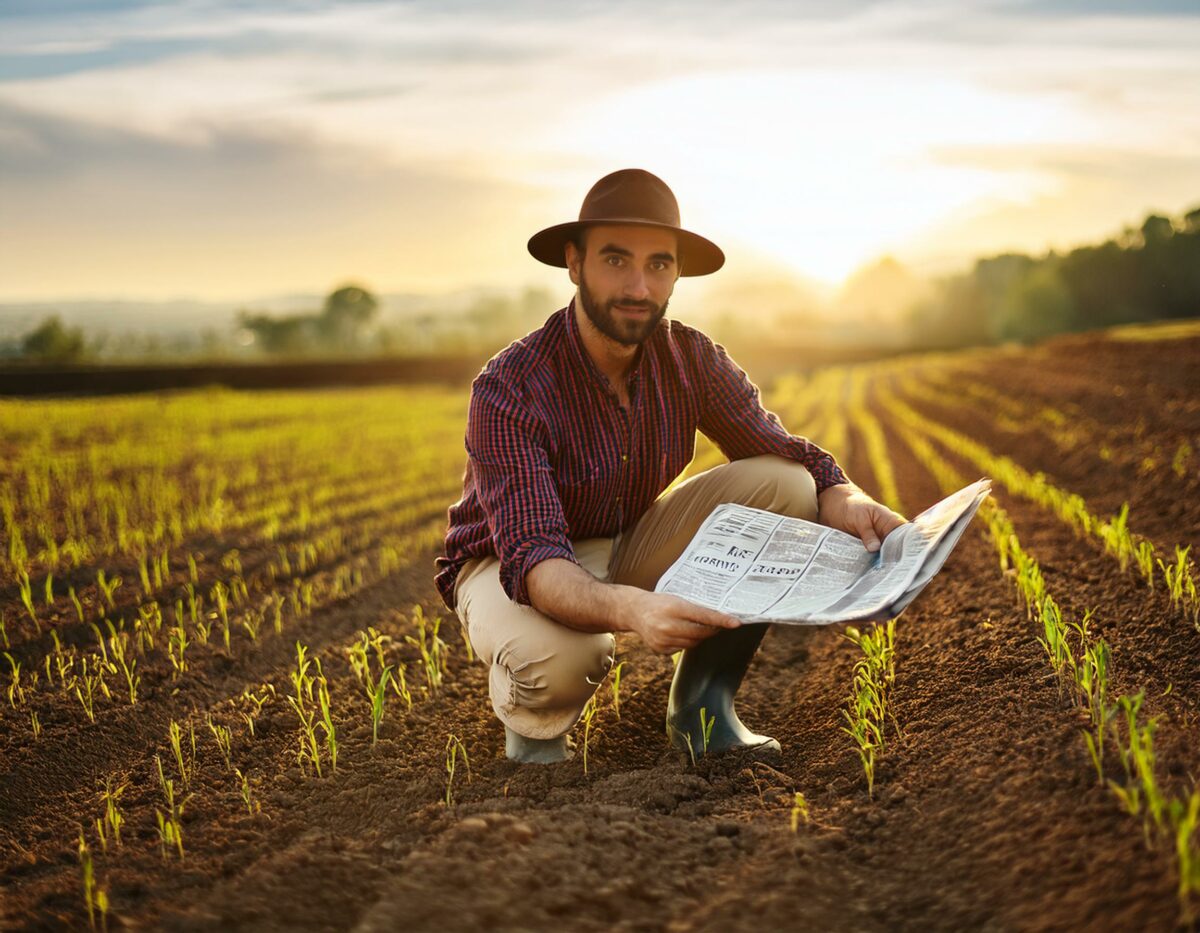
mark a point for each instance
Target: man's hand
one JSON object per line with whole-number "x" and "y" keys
{"x": 569, "y": 594}
{"x": 668, "y": 623}
{"x": 849, "y": 509}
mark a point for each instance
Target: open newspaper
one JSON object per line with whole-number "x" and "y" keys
{"x": 764, "y": 567}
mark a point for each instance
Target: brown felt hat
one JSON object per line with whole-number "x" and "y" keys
{"x": 630, "y": 196}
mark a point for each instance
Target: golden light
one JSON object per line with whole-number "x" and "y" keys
{"x": 821, "y": 170}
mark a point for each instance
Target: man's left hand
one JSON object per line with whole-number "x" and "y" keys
{"x": 849, "y": 509}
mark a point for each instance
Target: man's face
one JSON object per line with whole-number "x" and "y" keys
{"x": 625, "y": 276}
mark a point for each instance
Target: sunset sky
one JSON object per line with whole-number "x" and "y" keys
{"x": 217, "y": 149}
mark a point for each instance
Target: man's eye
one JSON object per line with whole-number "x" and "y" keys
{"x": 614, "y": 260}
{"x": 658, "y": 265}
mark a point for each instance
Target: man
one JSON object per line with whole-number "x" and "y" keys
{"x": 573, "y": 433}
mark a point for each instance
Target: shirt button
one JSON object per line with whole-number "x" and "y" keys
{"x": 624, "y": 456}
{"x": 618, "y": 498}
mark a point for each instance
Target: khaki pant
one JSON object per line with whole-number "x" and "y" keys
{"x": 542, "y": 673}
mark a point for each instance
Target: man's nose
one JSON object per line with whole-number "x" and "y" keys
{"x": 635, "y": 285}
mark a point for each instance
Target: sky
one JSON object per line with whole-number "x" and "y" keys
{"x": 230, "y": 149}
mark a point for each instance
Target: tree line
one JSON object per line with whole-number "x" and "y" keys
{"x": 1146, "y": 274}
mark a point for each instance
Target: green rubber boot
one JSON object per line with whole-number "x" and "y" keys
{"x": 536, "y": 751}
{"x": 707, "y": 678}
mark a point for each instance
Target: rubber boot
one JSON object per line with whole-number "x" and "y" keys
{"x": 536, "y": 751}
{"x": 707, "y": 678}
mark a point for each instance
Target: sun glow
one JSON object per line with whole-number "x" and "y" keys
{"x": 820, "y": 170}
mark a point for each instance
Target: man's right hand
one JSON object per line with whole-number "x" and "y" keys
{"x": 669, "y": 623}
{"x": 566, "y": 592}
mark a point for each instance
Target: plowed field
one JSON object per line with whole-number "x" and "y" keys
{"x": 165, "y": 555}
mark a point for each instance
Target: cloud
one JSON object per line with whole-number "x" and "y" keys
{"x": 350, "y": 133}
{"x": 104, "y": 211}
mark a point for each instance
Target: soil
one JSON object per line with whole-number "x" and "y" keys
{"x": 986, "y": 812}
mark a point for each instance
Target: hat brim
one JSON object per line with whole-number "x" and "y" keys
{"x": 697, "y": 256}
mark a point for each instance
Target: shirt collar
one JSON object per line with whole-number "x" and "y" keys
{"x": 584, "y": 359}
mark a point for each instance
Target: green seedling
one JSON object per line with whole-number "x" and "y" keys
{"x": 175, "y": 734}
{"x": 35, "y": 724}
{"x": 224, "y": 739}
{"x": 75, "y": 602}
{"x": 170, "y": 823}
{"x": 90, "y": 680}
{"x": 303, "y": 704}
{"x": 16, "y": 693}
{"x": 799, "y": 811}
{"x": 95, "y": 898}
{"x": 1185, "y": 828}
{"x": 177, "y": 644}
{"x": 431, "y": 647}
{"x": 377, "y": 696}
{"x": 589, "y": 714}
{"x": 48, "y": 591}
{"x": 220, "y": 595}
{"x": 400, "y": 686}
{"x": 252, "y": 805}
{"x": 616, "y": 688}
{"x": 144, "y": 576}
{"x": 118, "y": 645}
{"x": 277, "y": 602}
{"x": 26, "y": 590}
{"x": 4, "y": 629}
{"x": 454, "y": 748}
{"x": 706, "y": 727}
{"x": 113, "y": 820}
{"x": 331, "y": 744}
{"x": 107, "y": 588}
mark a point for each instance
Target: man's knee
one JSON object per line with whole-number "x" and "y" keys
{"x": 562, "y": 676}
{"x": 775, "y": 484}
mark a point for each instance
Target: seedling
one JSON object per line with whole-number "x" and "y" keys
{"x": 118, "y": 646}
{"x": 90, "y": 680}
{"x": 252, "y": 805}
{"x": 220, "y": 595}
{"x": 107, "y": 588}
{"x": 75, "y": 602}
{"x": 112, "y": 820}
{"x": 454, "y": 748}
{"x": 616, "y": 688}
{"x": 176, "y": 739}
{"x": 177, "y": 643}
{"x": 706, "y": 727}
{"x": 224, "y": 739}
{"x": 799, "y": 811}
{"x": 326, "y": 716}
{"x": 170, "y": 824}
{"x": 589, "y": 714}
{"x": 95, "y": 898}
{"x": 302, "y": 703}
{"x": 26, "y": 591}
{"x": 16, "y": 693}
{"x": 431, "y": 647}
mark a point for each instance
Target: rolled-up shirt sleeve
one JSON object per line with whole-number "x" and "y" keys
{"x": 734, "y": 419}
{"x": 506, "y": 444}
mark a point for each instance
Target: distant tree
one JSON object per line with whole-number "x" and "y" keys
{"x": 290, "y": 334}
{"x": 1191, "y": 221}
{"x": 1156, "y": 230}
{"x": 1038, "y": 305}
{"x": 346, "y": 313}
{"x": 51, "y": 342}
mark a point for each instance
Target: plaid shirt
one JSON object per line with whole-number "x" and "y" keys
{"x": 552, "y": 455}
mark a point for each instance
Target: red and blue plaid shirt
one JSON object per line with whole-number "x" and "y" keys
{"x": 552, "y": 455}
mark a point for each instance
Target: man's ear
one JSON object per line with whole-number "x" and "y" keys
{"x": 574, "y": 261}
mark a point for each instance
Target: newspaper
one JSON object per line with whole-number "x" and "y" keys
{"x": 764, "y": 567}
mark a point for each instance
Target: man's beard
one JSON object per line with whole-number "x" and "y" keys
{"x": 628, "y": 332}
